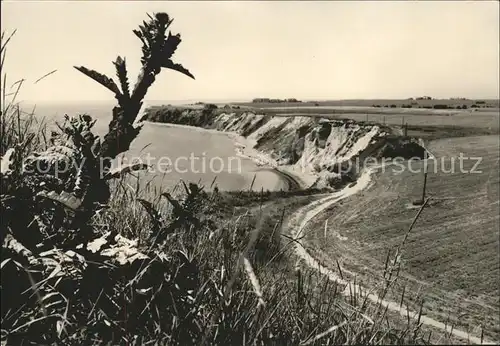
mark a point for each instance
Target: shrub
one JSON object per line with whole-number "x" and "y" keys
{"x": 441, "y": 106}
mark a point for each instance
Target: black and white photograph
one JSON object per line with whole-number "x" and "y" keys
{"x": 250, "y": 172}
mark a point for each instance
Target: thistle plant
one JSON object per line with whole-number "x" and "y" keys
{"x": 83, "y": 187}
{"x": 157, "y": 51}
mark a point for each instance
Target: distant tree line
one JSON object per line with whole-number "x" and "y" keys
{"x": 437, "y": 106}
{"x": 268, "y": 100}
{"x": 477, "y": 104}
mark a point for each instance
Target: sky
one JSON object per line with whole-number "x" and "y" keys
{"x": 242, "y": 50}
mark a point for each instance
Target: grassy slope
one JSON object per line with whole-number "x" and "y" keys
{"x": 451, "y": 257}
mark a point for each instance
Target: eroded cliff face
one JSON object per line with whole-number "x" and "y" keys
{"x": 333, "y": 152}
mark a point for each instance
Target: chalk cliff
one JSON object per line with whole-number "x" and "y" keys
{"x": 325, "y": 152}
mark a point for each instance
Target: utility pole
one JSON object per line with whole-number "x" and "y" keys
{"x": 422, "y": 200}
{"x": 425, "y": 176}
{"x": 425, "y": 183}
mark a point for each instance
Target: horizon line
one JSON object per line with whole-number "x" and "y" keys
{"x": 249, "y": 100}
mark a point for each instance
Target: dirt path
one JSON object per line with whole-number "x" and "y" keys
{"x": 305, "y": 214}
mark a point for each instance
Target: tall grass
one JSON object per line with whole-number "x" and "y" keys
{"x": 18, "y": 128}
{"x": 167, "y": 267}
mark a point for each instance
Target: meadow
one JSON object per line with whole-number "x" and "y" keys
{"x": 450, "y": 258}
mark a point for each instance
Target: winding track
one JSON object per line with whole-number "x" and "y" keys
{"x": 307, "y": 213}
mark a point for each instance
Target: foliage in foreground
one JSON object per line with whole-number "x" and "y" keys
{"x": 85, "y": 263}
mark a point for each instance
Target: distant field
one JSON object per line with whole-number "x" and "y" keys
{"x": 449, "y": 122}
{"x": 421, "y": 121}
{"x": 451, "y": 258}
{"x": 398, "y": 116}
{"x": 370, "y": 103}
{"x": 425, "y": 126}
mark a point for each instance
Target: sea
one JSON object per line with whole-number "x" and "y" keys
{"x": 174, "y": 153}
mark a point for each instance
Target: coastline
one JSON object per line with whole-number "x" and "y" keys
{"x": 244, "y": 148}
{"x": 292, "y": 182}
